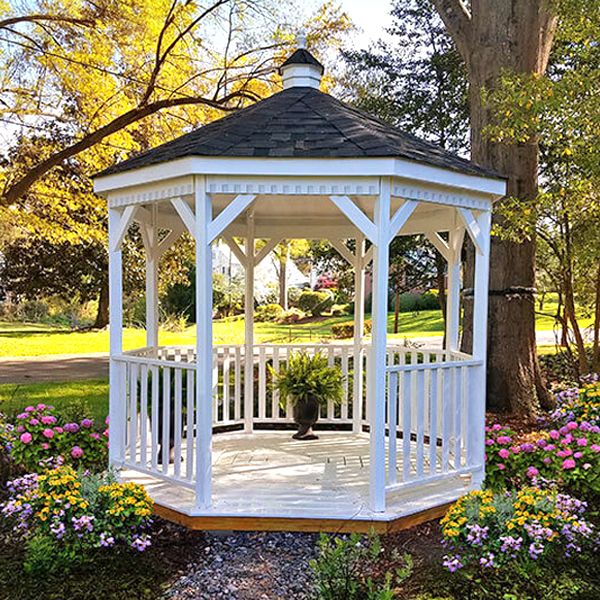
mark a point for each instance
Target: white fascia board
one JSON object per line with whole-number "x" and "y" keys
{"x": 301, "y": 167}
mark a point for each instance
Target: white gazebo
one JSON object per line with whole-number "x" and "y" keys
{"x": 201, "y": 426}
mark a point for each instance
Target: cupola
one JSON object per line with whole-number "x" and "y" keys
{"x": 301, "y": 69}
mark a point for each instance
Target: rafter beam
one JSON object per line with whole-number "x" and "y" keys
{"x": 356, "y": 216}
{"x": 235, "y": 208}
{"x": 344, "y": 251}
{"x": 265, "y": 250}
{"x": 368, "y": 257}
{"x": 186, "y": 214}
{"x": 169, "y": 240}
{"x": 124, "y": 222}
{"x": 440, "y": 244}
{"x": 401, "y": 217}
{"x": 473, "y": 228}
{"x": 235, "y": 248}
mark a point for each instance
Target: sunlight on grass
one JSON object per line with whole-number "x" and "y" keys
{"x": 32, "y": 339}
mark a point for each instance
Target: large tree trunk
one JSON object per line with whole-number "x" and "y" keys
{"x": 515, "y": 35}
{"x": 102, "y": 313}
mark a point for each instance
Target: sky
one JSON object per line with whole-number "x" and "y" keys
{"x": 371, "y": 16}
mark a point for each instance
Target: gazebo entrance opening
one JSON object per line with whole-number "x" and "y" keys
{"x": 198, "y": 426}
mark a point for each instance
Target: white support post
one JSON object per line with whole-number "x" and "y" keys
{"x": 152, "y": 258}
{"x": 204, "y": 379}
{"x": 359, "y": 328}
{"x": 455, "y": 243}
{"x": 477, "y": 396}
{"x": 249, "y": 326}
{"x": 117, "y": 406}
{"x": 376, "y": 374}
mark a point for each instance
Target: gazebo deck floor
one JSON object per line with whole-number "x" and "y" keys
{"x": 268, "y": 481}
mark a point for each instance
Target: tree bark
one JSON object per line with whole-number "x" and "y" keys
{"x": 102, "y": 313}
{"x": 596, "y": 344}
{"x": 497, "y": 35}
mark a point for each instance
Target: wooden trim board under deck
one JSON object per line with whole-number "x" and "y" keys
{"x": 229, "y": 523}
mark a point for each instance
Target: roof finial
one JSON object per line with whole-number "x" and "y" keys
{"x": 301, "y": 39}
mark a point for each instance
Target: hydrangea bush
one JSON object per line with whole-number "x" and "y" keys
{"x": 75, "y": 513}
{"x": 484, "y": 531}
{"x": 578, "y": 404}
{"x": 39, "y": 435}
{"x": 568, "y": 455}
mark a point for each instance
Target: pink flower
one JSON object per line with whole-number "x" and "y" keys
{"x": 542, "y": 443}
{"x": 595, "y": 447}
{"x": 572, "y": 425}
{"x": 48, "y": 419}
{"x": 105, "y": 433}
{"x": 554, "y": 434}
{"x": 547, "y": 460}
{"x": 34, "y": 422}
{"x": 22, "y": 416}
{"x": 95, "y": 436}
{"x": 45, "y": 446}
{"x": 567, "y": 439}
{"x": 587, "y": 466}
{"x": 20, "y": 428}
{"x": 578, "y": 455}
{"x": 48, "y": 433}
{"x": 26, "y": 437}
{"x": 504, "y": 439}
{"x": 569, "y": 463}
{"x": 564, "y": 430}
{"x": 489, "y": 442}
{"x": 501, "y": 466}
{"x": 503, "y": 453}
{"x": 58, "y": 429}
{"x": 76, "y": 452}
{"x": 532, "y": 472}
{"x": 565, "y": 452}
{"x": 87, "y": 423}
{"x": 581, "y": 441}
{"x": 30, "y": 409}
{"x": 550, "y": 447}
{"x": 496, "y": 427}
{"x": 41, "y": 406}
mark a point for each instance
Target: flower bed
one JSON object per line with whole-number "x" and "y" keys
{"x": 39, "y": 435}
{"x": 71, "y": 514}
{"x": 484, "y": 530}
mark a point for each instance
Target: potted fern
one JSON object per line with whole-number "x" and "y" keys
{"x": 308, "y": 382}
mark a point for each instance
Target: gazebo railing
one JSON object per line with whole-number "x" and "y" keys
{"x": 428, "y": 421}
{"x": 159, "y": 403}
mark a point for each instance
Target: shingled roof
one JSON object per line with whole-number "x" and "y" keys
{"x": 301, "y": 122}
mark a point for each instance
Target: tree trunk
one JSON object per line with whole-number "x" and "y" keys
{"x": 596, "y": 344}
{"x": 283, "y": 296}
{"x": 571, "y": 316}
{"x": 497, "y": 35}
{"x": 102, "y": 313}
{"x": 440, "y": 277}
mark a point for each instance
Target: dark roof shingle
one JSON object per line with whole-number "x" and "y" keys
{"x": 301, "y": 122}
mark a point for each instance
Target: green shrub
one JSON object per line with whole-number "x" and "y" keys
{"x": 268, "y": 313}
{"x": 315, "y": 303}
{"x": 340, "y": 310}
{"x": 344, "y": 331}
{"x": 293, "y": 315}
{"x": 344, "y": 569}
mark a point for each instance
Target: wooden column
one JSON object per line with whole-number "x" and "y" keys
{"x": 477, "y": 396}
{"x": 359, "y": 328}
{"x": 455, "y": 242}
{"x": 203, "y": 215}
{"x": 152, "y": 258}
{"x": 376, "y": 364}
{"x": 249, "y": 325}
{"x": 117, "y": 407}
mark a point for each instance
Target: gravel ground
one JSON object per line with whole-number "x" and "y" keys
{"x": 248, "y": 566}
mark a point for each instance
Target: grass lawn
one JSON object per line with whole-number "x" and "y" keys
{"x": 93, "y": 393}
{"x": 30, "y": 339}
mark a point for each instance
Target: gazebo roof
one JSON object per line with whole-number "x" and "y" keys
{"x": 301, "y": 122}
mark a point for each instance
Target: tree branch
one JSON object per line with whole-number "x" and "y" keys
{"x": 4, "y": 23}
{"x": 457, "y": 20}
{"x": 16, "y": 190}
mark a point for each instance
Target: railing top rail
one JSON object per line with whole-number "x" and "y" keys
{"x": 436, "y": 365}
{"x": 144, "y": 360}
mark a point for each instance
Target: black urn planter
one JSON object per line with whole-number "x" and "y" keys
{"x": 306, "y": 414}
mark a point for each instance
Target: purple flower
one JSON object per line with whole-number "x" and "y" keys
{"x": 554, "y": 434}
{"x": 87, "y": 423}
{"x": 34, "y": 422}
{"x": 582, "y": 441}
{"x": 504, "y": 439}
{"x": 22, "y": 416}
{"x": 569, "y": 464}
{"x": 487, "y": 561}
{"x": 452, "y": 563}
{"x": 76, "y": 452}
{"x": 535, "y": 550}
{"x": 106, "y": 540}
{"x": 71, "y": 427}
{"x": 140, "y": 542}
{"x": 532, "y": 472}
